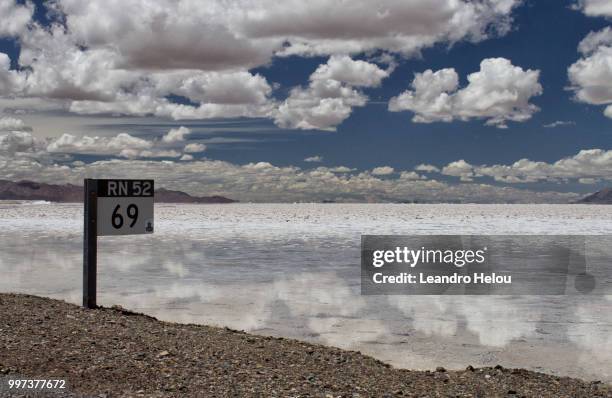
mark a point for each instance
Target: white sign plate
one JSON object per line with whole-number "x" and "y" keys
{"x": 125, "y": 207}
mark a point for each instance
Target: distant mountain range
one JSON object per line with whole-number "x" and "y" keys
{"x": 29, "y": 190}
{"x": 603, "y": 197}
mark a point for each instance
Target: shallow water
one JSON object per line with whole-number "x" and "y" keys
{"x": 293, "y": 270}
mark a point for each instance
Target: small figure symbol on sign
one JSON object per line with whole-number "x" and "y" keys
{"x": 149, "y": 227}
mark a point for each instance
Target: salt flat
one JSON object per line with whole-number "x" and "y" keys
{"x": 293, "y": 270}
{"x": 333, "y": 219}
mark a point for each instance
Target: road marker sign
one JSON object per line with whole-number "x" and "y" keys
{"x": 112, "y": 207}
{"x": 125, "y": 207}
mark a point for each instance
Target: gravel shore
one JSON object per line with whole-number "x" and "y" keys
{"x": 111, "y": 352}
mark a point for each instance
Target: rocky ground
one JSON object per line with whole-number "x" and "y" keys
{"x": 111, "y": 352}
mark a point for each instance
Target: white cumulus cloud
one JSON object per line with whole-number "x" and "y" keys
{"x": 153, "y": 153}
{"x": 459, "y": 168}
{"x": 122, "y": 144}
{"x": 330, "y": 97}
{"x": 15, "y": 17}
{"x": 559, "y": 123}
{"x": 382, "y": 170}
{"x": 20, "y": 142}
{"x": 176, "y": 135}
{"x": 587, "y": 164}
{"x": 591, "y": 75}
{"x": 427, "y": 168}
{"x": 314, "y": 159}
{"x": 8, "y": 123}
{"x": 322, "y": 27}
{"x": 194, "y": 147}
{"x": 499, "y": 92}
{"x": 595, "y": 8}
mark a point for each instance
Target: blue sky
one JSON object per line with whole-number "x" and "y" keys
{"x": 561, "y": 116}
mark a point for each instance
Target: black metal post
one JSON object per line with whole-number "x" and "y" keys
{"x": 90, "y": 242}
